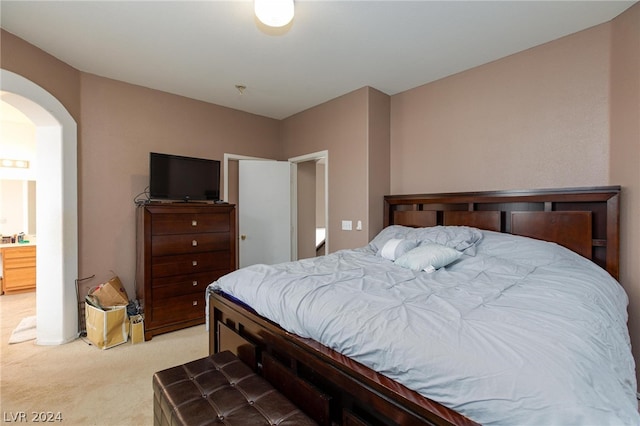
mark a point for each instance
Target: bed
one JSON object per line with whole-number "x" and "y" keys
{"x": 467, "y": 308}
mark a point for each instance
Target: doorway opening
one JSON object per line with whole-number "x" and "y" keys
{"x": 56, "y": 177}
{"x": 17, "y": 201}
{"x": 311, "y": 213}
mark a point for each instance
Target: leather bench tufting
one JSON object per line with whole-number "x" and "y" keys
{"x": 220, "y": 389}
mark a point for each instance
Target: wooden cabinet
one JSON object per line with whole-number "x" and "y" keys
{"x": 182, "y": 248}
{"x": 18, "y": 268}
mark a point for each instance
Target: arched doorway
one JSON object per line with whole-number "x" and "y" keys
{"x": 57, "y": 207}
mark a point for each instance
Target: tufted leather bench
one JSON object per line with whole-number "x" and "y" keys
{"x": 220, "y": 389}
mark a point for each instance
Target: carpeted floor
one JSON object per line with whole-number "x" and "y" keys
{"x": 81, "y": 383}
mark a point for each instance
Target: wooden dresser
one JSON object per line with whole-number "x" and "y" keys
{"x": 18, "y": 268}
{"x": 181, "y": 249}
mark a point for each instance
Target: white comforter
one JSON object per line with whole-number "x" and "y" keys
{"x": 516, "y": 332}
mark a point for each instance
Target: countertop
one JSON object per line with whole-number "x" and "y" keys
{"x": 9, "y": 245}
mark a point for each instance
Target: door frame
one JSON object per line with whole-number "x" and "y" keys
{"x": 314, "y": 156}
{"x": 225, "y": 169}
{"x": 57, "y": 189}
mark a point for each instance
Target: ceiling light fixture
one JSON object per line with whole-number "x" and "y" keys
{"x": 274, "y": 13}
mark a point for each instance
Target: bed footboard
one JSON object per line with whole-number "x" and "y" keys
{"x": 331, "y": 388}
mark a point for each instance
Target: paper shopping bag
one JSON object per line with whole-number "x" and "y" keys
{"x": 107, "y": 327}
{"x": 137, "y": 329}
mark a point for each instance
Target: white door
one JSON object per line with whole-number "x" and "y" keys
{"x": 264, "y": 212}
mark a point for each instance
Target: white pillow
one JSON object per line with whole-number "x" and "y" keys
{"x": 393, "y": 231}
{"x": 428, "y": 257}
{"x": 461, "y": 238}
{"x": 396, "y": 247}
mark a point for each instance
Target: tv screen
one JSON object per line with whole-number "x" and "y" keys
{"x": 173, "y": 177}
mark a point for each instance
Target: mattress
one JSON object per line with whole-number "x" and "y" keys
{"x": 512, "y": 331}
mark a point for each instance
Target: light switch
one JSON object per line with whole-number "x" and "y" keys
{"x": 347, "y": 225}
{"x": 359, "y": 225}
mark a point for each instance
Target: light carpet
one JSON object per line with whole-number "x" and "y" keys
{"x": 81, "y": 384}
{"x": 25, "y": 331}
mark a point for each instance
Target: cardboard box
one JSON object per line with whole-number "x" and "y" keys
{"x": 111, "y": 293}
{"x": 107, "y": 327}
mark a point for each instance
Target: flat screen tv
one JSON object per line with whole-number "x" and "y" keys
{"x": 178, "y": 178}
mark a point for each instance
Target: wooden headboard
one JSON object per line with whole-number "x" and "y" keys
{"x": 586, "y": 220}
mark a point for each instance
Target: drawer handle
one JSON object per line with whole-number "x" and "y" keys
{"x": 194, "y": 223}
{"x": 195, "y": 283}
{"x": 195, "y": 303}
{"x": 194, "y": 263}
{"x": 194, "y": 243}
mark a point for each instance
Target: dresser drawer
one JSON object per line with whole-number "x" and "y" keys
{"x": 19, "y": 277}
{"x": 185, "y": 223}
{"x": 176, "y": 309}
{"x": 17, "y": 253}
{"x": 19, "y": 262}
{"x": 181, "y": 264}
{"x": 162, "y": 245}
{"x": 182, "y": 284}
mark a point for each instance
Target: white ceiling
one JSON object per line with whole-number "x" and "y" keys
{"x": 203, "y": 49}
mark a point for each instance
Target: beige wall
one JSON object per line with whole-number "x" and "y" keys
{"x": 354, "y": 129}
{"x": 563, "y": 114}
{"x": 625, "y": 154}
{"x": 320, "y": 194}
{"x": 378, "y": 154}
{"x": 53, "y": 75}
{"x": 121, "y": 124}
{"x": 306, "y": 188}
{"x": 536, "y": 119}
{"x": 340, "y": 127}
